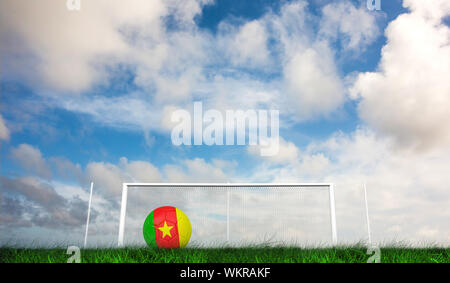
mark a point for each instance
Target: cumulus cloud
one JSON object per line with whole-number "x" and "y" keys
{"x": 66, "y": 56}
{"x": 166, "y": 117}
{"x": 30, "y": 158}
{"x": 194, "y": 171}
{"x": 310, "y": 82}
{"x": 29, "y": 201}
{"x": 246, "y": 45}
{"x": 313, "y": 85}
{"x": 130, "y": 112}
{"x": 406, "y": 100}
{"x": 66, "y": 170}
{"x": 12, "y": 210}
{"x": 34, "y": 190}
{"x": 313, "y": 164}
{"x": 354, "y": 27}
{"x": 408, "y": 97}
{"x": 58, "y": 51}
{"x": 288, "y": 152}
{"x": 70, "y": 51}
{"x": 141, "y": 171}
{"x": 404, "y": 187}
{"x": 4, "y": 131}
{"x": 400, "y": 207}
{"x": 107, "y": 177}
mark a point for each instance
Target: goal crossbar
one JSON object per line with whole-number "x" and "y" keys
{"x": 126, "y": 186}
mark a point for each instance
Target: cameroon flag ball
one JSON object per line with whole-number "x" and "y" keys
{"x": 167, "y": 227}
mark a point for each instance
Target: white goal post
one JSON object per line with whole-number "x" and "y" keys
{"x": 229, "y": 187}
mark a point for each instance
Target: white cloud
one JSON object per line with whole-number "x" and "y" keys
{"x": 434, "y": 12}
{"x": 311, "y": 81}
{"x": 71, "y": 51}
{"x": 288, "y": 153}
{"x": 65, "y": 45}
{"x": 131, "y": 112}
{"x": 244, "y": 92}
{"x": 171, "y": 66}
{"x": 291, "y": 27}
{"x": 408, "y": 195}
{"x": 141, "y": 171}
{"x": 313, "y": 85}
{"x": 4, "y": 131}
{"x": 194, "y": 171}
{"x": 107, "y": 177}
{"x": 33, "y": 202}
{"x": 65, "y": 169}
{"x": 354, "y": 27}
{"x": 408, "y": 98}
{"x": 246, "y": 46}
{"x": 313, "y": 165}
{"x": 30, "y": 158}
{"x": 178, "y": 87}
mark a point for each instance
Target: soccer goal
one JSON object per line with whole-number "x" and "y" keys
{"x": 237, "y": 214}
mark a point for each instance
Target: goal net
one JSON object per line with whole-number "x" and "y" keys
{"x": 293, "y": 214}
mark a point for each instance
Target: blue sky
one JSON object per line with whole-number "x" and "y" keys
{"x": 74, "y": 136}
{"x": 361, "y": 95}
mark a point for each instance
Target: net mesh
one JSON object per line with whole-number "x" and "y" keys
{"x": 277, "y": 216}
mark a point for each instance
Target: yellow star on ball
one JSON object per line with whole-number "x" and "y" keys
{"x": 166, "y": 230}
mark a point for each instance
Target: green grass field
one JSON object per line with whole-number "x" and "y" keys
{"x": 228, "y": 255}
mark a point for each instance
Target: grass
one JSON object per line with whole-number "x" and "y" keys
{"x": 352, "y": 254}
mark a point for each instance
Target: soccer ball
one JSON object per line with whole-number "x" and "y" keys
{"x": 167, "y": 227}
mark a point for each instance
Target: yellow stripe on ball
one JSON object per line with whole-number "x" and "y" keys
{"x": 184, "y": 228}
